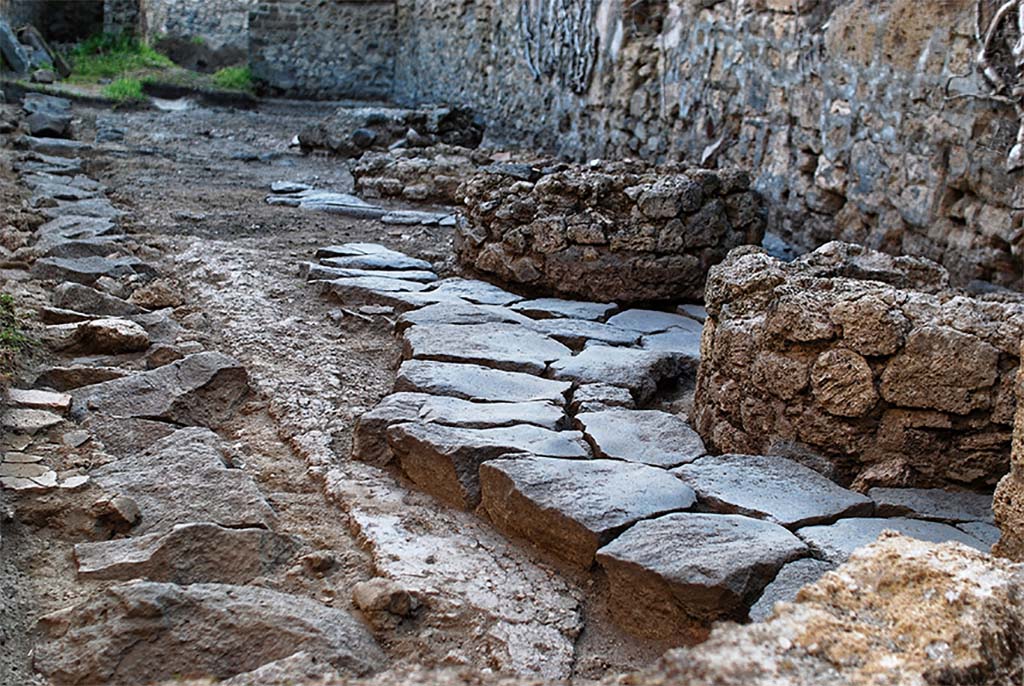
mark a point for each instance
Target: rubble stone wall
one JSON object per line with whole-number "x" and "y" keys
{"x": 222, "y": 24}
{"x": 840, "y": 107}
{"x": 312, "y": 48}
{"x": 866, "y": 360}
{"x": 1009, "y": 499}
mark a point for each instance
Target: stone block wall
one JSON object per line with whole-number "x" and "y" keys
{"x": 622, "y": 232}
{"x": 221, "y": 24}
{"x": 868, "y": 361}
{"x": 317, "y": 49}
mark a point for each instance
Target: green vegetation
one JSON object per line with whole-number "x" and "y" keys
{"x": 125, "y": 91}
{"x": 109, "y": 56}
{"x": 234, "y": 78}
{"x": 12, "y": 340}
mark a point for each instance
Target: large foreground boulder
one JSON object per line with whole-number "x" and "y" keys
{"x": 145, "y": 632}
{"x": 1008, "y": 504}
{"x": 617, "y": 231}
{"x": 868, "y": 360}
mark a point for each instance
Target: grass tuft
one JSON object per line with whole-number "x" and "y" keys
{"x": 12, "y": 339}
{"x": 108, "y": 56}
{"x": 234, "y": 78}
{"x": 125, "y": 91}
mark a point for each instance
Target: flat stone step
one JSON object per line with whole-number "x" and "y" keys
{"x": 40, "y": 400}
{"x": 317, "y": 272}
{"x": 648, "y": 437}
{"x": 100, "y": 208}
{"x": 460, "y": 312}
{"x": 772, "y": 488}
{"x": 638, "y": 370}
{"x": 654, "y": 321}
{"x": 597, "y": 397}
{"x": 576, "y": 333}
{"x": 681, "y": 342}
{"x": 67, "y": 378}
{"x": 549, "y": 308}
{"x": 672, "y": 576}
{"x": 369, "y": 440}
{"x": 353, "y": 249}
{"x": 445, "y": 461}
{"x": 496, "y": 345}
{"x": 390, "y": 260}
{"x": 86, "y": 270}
{"x": 29, "y": 421}
{"x": 836, "y": 542}
{"x": 787, "y": 584}
{"x": 81, "y": 298}
{"x": 571, "y": 508}
{"x": 477, "y": 383}
{"x": 73, "y": 226}
{"x": 934, "y": 504}
{"x": 474, "y": 291}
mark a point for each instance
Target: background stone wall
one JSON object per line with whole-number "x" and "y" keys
{"x": 219, "y": 23}
{"x": 322, "y": 49}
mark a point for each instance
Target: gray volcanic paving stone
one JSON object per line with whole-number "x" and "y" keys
{"x": 77, "y": 227}
{"x": 772, "y": 488}
{"x": 318, "y": 272}
{"x": 577, "y": 332}
{"x": 669, "y": 573}
{"x": 479, "y": 292}
{"x": 645, "y": 436}
{"x": 376, "y": 283}
{"x": 445, "y": 461}
{"x": 502, "y": 346}
{"x": 682, "y": 342}
{"x": 182, "y": 478}
{"x": 572, "y": 507}
{"x": 392, "y": 261}
{"x": 187, "y": 554}
{"x": 355, "y": 249}
{"x": 204, "y": 389}
{"x": 836, "y": 542}
{"x": 653, "y": 321}
{"x": 596, "y": 397}
{"x": 787, "y": 584}
{"x": 400, "y": 294}
{"x": 986, "y": 533}
{"x": 86, "y": 269}
{"x": 75, "y": 296}
{"x": 144, "y": 632}
{"x": 474, "y": 382}
{"x": 100, "y": 208}
{"x": 934, "y": 504}
{"x": 460, "y": 312}
{"x": 547, "y": 308}
{"x": 638, "y": 370}
{"x": 369, "y": 439}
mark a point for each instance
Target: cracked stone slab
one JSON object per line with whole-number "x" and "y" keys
{"x": 75, "y": 227}
{"x": 369, "y": 438}
{"x": 23, "y": 420}
{"x": 460, "y": 312}
{"x": 39, "y": 400}
{"x": 499, "y": 346}
{"x": 133, "y": 633}
{"x": 576, "y": 333}
{"x": 571, "y": 508}
{"x": 638, "y": 370}
{"x": 203, "y": 389}
{"x": 550, "y": 308}
{"x": 787, "y": 584}
{"x": 648, "y": 437}
{"x": 934, "y": 504}
{"x": 696, "y": 312}
{"x": 86, "y": 270}
{"x": 187, "y": 554}
{"x": 103, "y": 246}
{"x": 681, "y": 342}
{"x": 596, "y": 397}
{"x": 100, "y": 208}
{"x": 355, "y": 249}
{"x": 836, "y": 542}
{"x": 445, "y": 461}
{"x": 182, "y": 478}
{"x": 988, "y": 534}
{"x": 475, "y": 291}
{"x": 654, "y": 321}
{"x": 772, "y": 488}
{"x": 477, "y": 383}
{"x": 317, "y": 272}
{"x": 70, "y": 377}
{"x": 671, "y": 575}
{"x": 390, "y": 261}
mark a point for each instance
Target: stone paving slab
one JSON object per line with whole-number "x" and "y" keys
{"x": 477, "y": 383}
{"x": 672, "y": 575}
{"x": 648, "y": 437}
{"x": 654, "y": 321}
{"x": 934, "y": 504}
{"x": 69, "y": 227}
{"x": 836, "y": 542}
{"x": 571, "y": 508}
{"x": 39, "y": 400}
{"x": 500, "y": 346}
{"x": 989, "y": 534}
{"x": 355, "y": 249}
{"x": 459, "y": 311}
{"x": 474, "y": 291}
{"x": 445, "y": 461}
{"x": 772, "y": 488}
{"x": 28, "y": 421}
{"x": 359, "y": 292}
{"x": 681, "y": 342}
{"x": 787, "y": 584}
{"x": 390, "y": 260}
{"x": 551, "y": 308}
{"x": 86, "y": 270}
{"x": 638, "y": 370}
{"x": 597, "y": 397}
{"x": 576, "y": 333}
{"x": 369, "y": 439}
{"x": 318, "y": 272}
{"x": 100, "y": 208}
{"x": 81, "y": 298}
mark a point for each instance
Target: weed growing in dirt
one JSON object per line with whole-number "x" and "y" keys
{"x": 107, "y": 56}
{"x": 12, "y": 339}
{"x": 234, "y": 78}
{"x": 125, "y": 91}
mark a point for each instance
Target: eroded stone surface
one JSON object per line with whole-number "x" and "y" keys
{"x": 643, "y": 436}
{"x": 134, "y": 632}
{"x": 573, "y": 507}
{"x": 671, "y": 575}
{"x": 473, "y": 382}
{"x": 638, "y": 370}
{"x": 501, "y": 346}
{"x": 771, "y": 488}
{"x": 836, "y": 542}
{"x": 459, "y": 311}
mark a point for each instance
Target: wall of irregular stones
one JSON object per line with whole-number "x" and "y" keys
{"x": 856, "y": 115}
{"x": 223, "y": 25}
{"x": 1009, "y": 498}
{"x": 867, "y": 361}
{"x": 312, "y": 48}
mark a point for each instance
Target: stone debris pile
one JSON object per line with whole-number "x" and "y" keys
{"x": 541, "y": 415}
{"x": 869, "y": 361}
{"x": 619, "y": 231}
